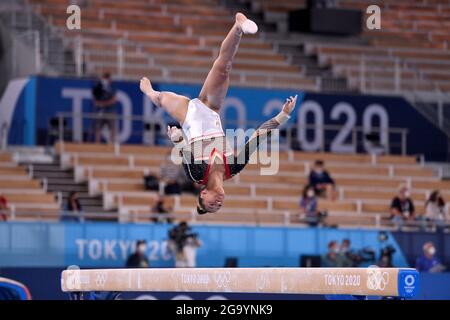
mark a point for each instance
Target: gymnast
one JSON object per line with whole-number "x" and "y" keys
{"x": 207, "y": 157}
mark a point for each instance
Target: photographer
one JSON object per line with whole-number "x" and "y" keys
{"x": 334, "y": 257}
{"x": 184, "y": 243}
{"x": 138, "y": 258}
{"x": 386, "y": 252}
{"x": 104, "y": 96}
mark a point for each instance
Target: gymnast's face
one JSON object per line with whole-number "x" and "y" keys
{"x": 212, "y": 199}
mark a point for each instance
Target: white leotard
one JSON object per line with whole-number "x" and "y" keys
{"x": 201, "y": 122}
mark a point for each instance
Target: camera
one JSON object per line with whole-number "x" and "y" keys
{"x": 386, "y": 252}
{"x": 362, "y": 256}
{"x": 180, "y": 234}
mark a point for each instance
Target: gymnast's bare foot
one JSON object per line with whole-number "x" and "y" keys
{"x": 247, "y": 26}
{"x": 146, "y": 86}
{"x": 147, "y": 89}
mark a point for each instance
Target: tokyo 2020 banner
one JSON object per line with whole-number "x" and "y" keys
{"x": 323, "y": 120}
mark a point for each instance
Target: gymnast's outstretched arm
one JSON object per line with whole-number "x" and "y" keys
{"x": 262, "y": 133}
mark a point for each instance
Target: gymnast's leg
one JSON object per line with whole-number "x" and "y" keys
{"x": 216, "y": 84}
{"x": 175, "y": 105}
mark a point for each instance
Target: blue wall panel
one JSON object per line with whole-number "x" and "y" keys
{"x": 243, "y": 107}
{"x": 109, "y": 244}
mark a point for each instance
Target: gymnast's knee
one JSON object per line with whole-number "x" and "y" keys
{"x": 223, "y": 68}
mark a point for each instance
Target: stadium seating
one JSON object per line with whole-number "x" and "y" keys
{"x": 413, "y": 38}
{"x": 26, "y": 197}
{"x": 166, "y": 41}
{"x": 172, "y": 41}
{"x": 366, "y": 185}
{"x": 177, "y": 40}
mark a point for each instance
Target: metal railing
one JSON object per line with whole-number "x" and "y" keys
{"x": 67, "y": 55}
{"x": 286, "y": 219}
{"x": 50, "y": 48}
{"x": 397, "y": 138}
{"x": 422, "y": 100}
{"x": 75, "y": 129}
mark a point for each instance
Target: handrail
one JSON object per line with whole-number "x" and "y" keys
{"x": 356, "y": 141}
{"x": 287, "y": 218}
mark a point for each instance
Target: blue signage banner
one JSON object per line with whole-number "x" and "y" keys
{"x": 109, "y": 244}
{"x": 42, "y": 98}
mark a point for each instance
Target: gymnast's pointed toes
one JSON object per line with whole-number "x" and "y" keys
{"x": 247, "y": 26}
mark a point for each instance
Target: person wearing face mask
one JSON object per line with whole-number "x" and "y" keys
{"x": 428, "y": 261}
{"x": 104, "y": 96}
{"x": 138, "y": 259}
{"x": 402, "y": 207}
{"x": 308, "y": 207}
{"x": 321, "y": 181}
{"x": 435, "y": 209}
{"x": 334, "y": 258}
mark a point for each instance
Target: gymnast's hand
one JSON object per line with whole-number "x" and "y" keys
{"x": 289, "y": 105}
{"x": 175, "y": 134}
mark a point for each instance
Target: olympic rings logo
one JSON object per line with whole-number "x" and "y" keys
{"x": 222, "y": 280}
{"x": 100, "y": 279}
{"x": 376, "y": 279}
{"x": 73, "y": 278}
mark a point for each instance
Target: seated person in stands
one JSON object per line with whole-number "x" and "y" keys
{"x": 104, "y": 102}
{"x": 321, "y": 181}
{"x": 308, "y": 207}
{"x": 4, "y": 210}
{"x": 402, "y": 207}
{"x": 435, "y": 210}
{"x": 160, "y": 208}
{"x": 334, "y": 258}
{"x": 73, "y": 208}
{"x": 138, "y": 258}
{"x": 428, "y": 261}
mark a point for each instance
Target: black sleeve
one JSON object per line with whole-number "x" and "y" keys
{"x": 396, "y": 204}
{"x": 261, "y": 134}
{"x": 328, "y": 178}
{"x": 79, "y": 205}
{"x": 412, "y": 208}
{"x": 129, "y": 262}
{"x": 195, "y": 171}
{"x": 97, "y": 91}
{"x": 312, "y": 179}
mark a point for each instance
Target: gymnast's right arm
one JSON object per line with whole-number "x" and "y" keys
{"x": 176, "y": 136}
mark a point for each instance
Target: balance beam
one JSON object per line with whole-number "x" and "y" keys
{"x": 393, "y": 282}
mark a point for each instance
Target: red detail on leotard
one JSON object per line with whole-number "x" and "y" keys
{"x": 227, "y": 168}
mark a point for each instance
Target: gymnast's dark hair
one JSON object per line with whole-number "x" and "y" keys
{"x": 200, "y": 205}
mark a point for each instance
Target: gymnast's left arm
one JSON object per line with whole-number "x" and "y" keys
{"x": 261, "y": 133}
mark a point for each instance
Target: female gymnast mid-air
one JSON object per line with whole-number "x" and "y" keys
{"x": 207, "y": 157}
